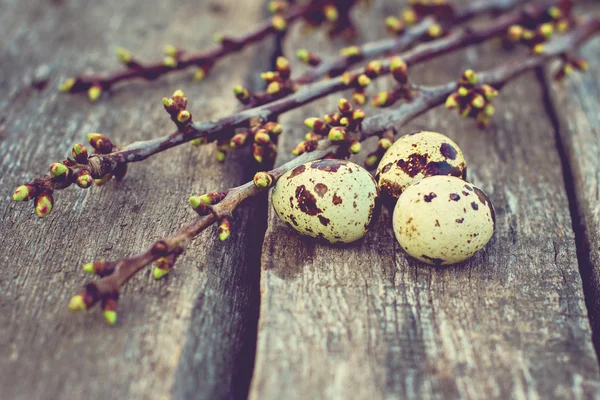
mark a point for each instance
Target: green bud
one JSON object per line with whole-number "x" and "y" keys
{"x": 183, "y": 116}
{"x": 262, "y": 180}
{"x": 94, "y": 92}
{"x": 344, "y": 106}
{"x": 89, "y": 268}
{"x": 58, "y": 170}
{"x": 110, "y": 317}
{"x": 337, "y": 134}
{"x": 67, "y": 85}
{"x": 170, "y": 62}
{"x": 84, "y": 179}
{"x": 303, "y": 55}
{"x": 77, "y": 303}
{"x": 355, "y": 147}
{"x": 43, "y": 204}
{"x": 123, "y": 55}
{"x": 25, "y": 192}
{"x": 80, "y": 153}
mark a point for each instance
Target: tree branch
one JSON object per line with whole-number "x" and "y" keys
{"x": 178, "y": 60}
{"x": 116, "y": 274}
{"x": 112, "y": 160}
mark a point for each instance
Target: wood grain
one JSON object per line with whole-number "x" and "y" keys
{"x": 575, "y": 103}
{"x": 365, "y": 321}
{"x": 192, "y": 333}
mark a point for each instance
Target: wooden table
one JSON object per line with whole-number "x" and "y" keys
{"x": 285, "y": 318}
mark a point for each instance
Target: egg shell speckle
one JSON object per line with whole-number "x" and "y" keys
{"x": 443, "y": 220}
{"x": 416, "y": 156}
{"x": 329, "y": 199}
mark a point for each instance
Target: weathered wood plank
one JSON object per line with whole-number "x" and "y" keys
{"x": 366, "y": 322}
{"x": 576, "y": 102}
{"x": 192, "y": 333}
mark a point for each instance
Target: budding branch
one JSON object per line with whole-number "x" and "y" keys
{"x": 423, "y": 99}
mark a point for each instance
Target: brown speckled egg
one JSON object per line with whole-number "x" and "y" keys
{"x": 416, "y": 156}
{"x": 443, "y": 220}
{"x": 329, "y": 199}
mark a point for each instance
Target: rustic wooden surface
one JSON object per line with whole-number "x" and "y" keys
{"x": 193, "y": 333}
{"x": 576, "y": 103}
{"x": 355, "y": 322}
{"x": 366, "y": 322}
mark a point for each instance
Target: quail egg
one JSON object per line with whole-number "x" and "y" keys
{"x": 416, "y": 156}
{"x": 443, "y": 220}
{"x": 334, "y": 200}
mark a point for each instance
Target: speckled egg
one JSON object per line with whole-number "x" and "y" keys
{"x": 416, "y": 156}
{"x": 333, "y": 200}
{"x": 443, "y": 220}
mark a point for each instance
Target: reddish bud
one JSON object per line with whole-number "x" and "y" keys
{"x": 332, "y": 119}
{"x": 451, "y": 101}
{"x": 273, "y": 88}
{"x": 270, "y": 76}
{"x": 183, "y": 116}
{"x": 337, "y": 134}
{"x": 330, "y": 12}
{"x": 305, "y": 147}
{"x": 25, "y": 192}
{"x": 200, "y": 74}
{"x": 262, "y": 180}
{"x": 43, "y": 204}
{"x": 258, "y": 152}
{"x": 372, "y": 160}
{"x": 478, "y": 101}
{"x": 273, "y": 128}
{"x": 399, "y": 70}
{"x": 308, "y": 58}
{"x": 242, "y": 94}
{"x": 279, "y": 23}
{"x": 84, "y": 179}
{"x": 363, "y": 80}
{"x": 435, "y": 31}
{"x": 354, "y": 147}
{"x": 261, "y": 136}
{"x": 373, "y": 69}
{"x": 283, "y": 67}
{"x": 59, "y": 171}
{"x": 278, "y": 6}
{"x": 162, "y": 266}
{"x": 351, "y": 52}
{"x": 84, "y": 299}
{"x": 94, "y": 92}
{"x": 80, "y": 153}
{"x": 469, "y": 76}
{"x": 359, "y": 98}
{"x": 100, "y": 143}
{"x": 384, "y": 143}
{"x": 384, "y": 99}
{"x": 358, "y": 116}
{"x": 515, "y": 33}
{"x": 344, "y": 106}
{"x": 489, "y": 92}
{"x": 109, "y": 309}
{"x": 394, "y": 25}
{"x": 239, "y": 139}
{"x": 224, "y": 229}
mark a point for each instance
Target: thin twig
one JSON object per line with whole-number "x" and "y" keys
{"x": 204, "y": 58}
{"x": 407, "y": 39}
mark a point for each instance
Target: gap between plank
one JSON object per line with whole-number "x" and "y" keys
{"x": 582, "y": 242}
